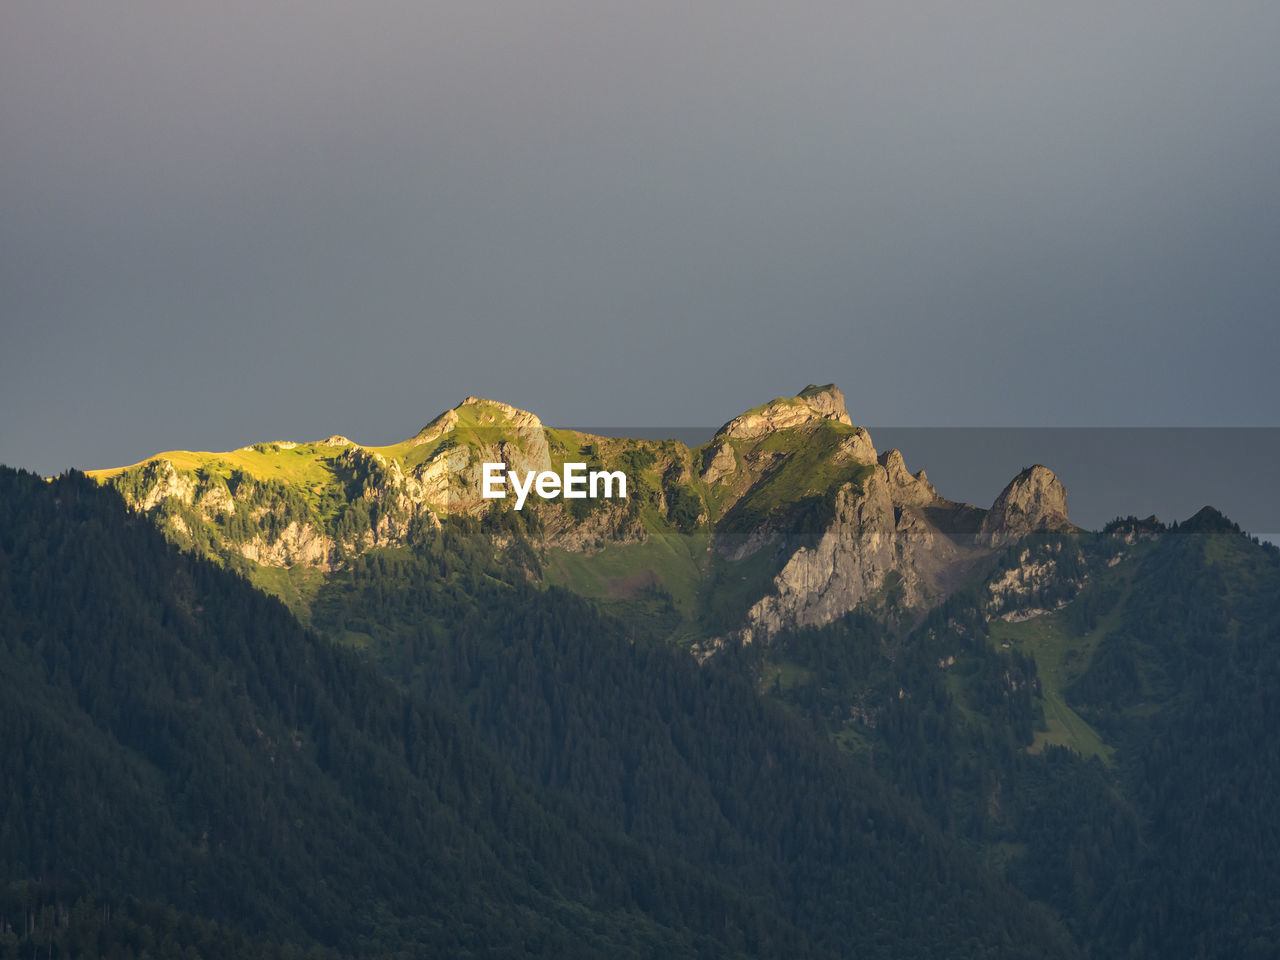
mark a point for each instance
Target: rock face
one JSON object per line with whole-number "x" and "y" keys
{"x": 858, "y": 446}
{"x": 450, "y": 479}
{"x": 385, "y": 495}
{"x": 790, "y": 486}
{"x": 846, "y": 566}
{"x": 1034, "y": 584}
{"x": 891, "y": 541}
{"x": 812, "y": 403}
{"x": 1034, "y": 501}
{"x": 437, "y": 427}
{"x": 827, "y": 400}
{"x": 382, "y": 482}
{"x": 166, "y": 483}
{"x": 295, "y": 544}
{"x": 217, "y": 501}
{"x": 907, "y": 489}
{"x": 718, "y": 462}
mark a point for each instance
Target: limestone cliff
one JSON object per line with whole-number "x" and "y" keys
{"x": 892, "y": 542}
{"x": 812, "y": 403}
{"x": 1043, "y": 578}
{"x": 1034, "y": 501}
{"x": 806, "y": 519}
{"x": 847, "y": 565}
{"x": 286, "y": 504}
{"x": 914, "y": 490}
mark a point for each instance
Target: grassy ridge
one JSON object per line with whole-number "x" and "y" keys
{"x": 304, "y": 464}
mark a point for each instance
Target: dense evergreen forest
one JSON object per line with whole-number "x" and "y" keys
{"x": 686, "y": 759}
{"x": 455, "y": 761}
{"x": 1152, "y": 839}
{"x": 1161, "y": 845}
{"x": 187, "y": 771}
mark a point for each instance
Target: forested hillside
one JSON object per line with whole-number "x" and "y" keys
{"x": 1114, "y": 759}
{"x": 174, "y": 737}
{"x": 1090, "y": 721}
{"x": 683, "y": 758}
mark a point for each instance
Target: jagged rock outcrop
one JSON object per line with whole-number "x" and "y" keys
{"x": 718, "y": 461}
{"x": 504, "y": 434}
{"x": 609, "y": 524}
{"x": 1035, "y": 584}
{"x": 908, "y": 489}
{"x": 1034, "y": 501}
{"x": 845, "y": 566}
{"x": 166, "y": 482}
{"x": 858, "y": 446}
{"x": 297, "y": 543}
{"x": 217, "y": 501}
{"x": 483, "y": 415}
{"x": 451, "y": 478}
{"x": 812, "y": 403}
{"x": 827, "y": 400}
{"x": 382, "y": 481}
{"x": 792, "y": 484}
{"x": 881, "y": 540}
{"x": 436, "y": 428}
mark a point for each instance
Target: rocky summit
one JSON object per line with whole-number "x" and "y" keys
{"x": 788, "y": 517}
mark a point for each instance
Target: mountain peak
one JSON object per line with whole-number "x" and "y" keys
{"x": 1035, "y": 500}
{"x": 479, "y": 412}
{"x": 1208, "y": 520}
{"x": 827, "y": 399}
{"x": 811, "y": 404}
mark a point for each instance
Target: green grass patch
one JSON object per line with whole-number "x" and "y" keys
{"x": 958, "y": 688}
{"x": 297, "y": 586}
{"x": 783, "y": 675}
{"x": 1061, "y": 657}
{"x": 669, "y": 560}
{"x": 304, "y": 465}
{"x": 1063, "y": 644}
{"x": 854, "y": 739}
{"x": 732, "y": 586}
{"x": 804, "y": 481}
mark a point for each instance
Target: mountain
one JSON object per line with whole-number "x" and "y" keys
{"x": 787, "y": 517}
{"x": 172, "y": 734}
{"x": 784, "y": 698}
{"x": 174, "y": 737}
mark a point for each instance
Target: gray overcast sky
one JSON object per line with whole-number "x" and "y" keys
{"x": 235, "y": 221}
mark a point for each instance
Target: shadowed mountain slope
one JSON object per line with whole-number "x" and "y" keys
{"x": 174, "y": 735}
